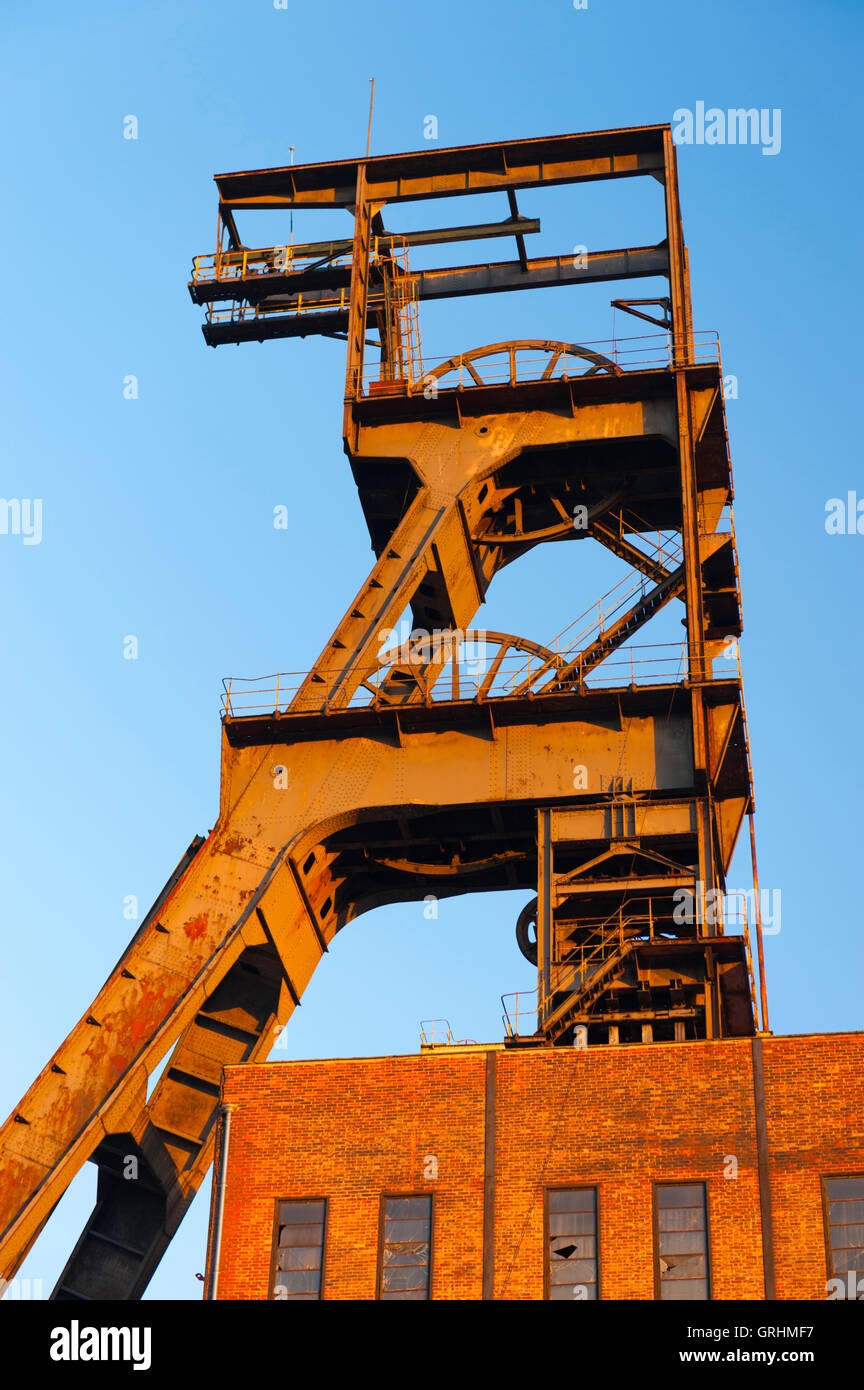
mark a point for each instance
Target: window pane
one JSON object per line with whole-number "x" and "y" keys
{"x": 572, "y": 1272}
{"x": 682, "y": 1240}
{"x": 846, "y": 1223}
{"x": 580, "y": 1292}
{"x": 300, "y": 1235}
{"x": 300, "y": 1257}
{"x": 414, "y": 1277}
{"x": 680, "y": 1219}
{"x": 846, "y": 1211}
{"x": 299, "y": 1250}
{"x": 414, "y": 1252}
{"x": 396, "y": 1232}
{"x": 297, "y": 1212}
{"x": 298, "y": 1281}
{"x": 571, "y": 1223}
{"x": 406, "y": 1248}
{"x": 684, "y": 1266}
{"x": 682, "y": 1243}
{"x": 682, "y": 1290}
{"x": 572, "y": 1199}
{"x": 400, "y": 1207}
{"x": 580, "y": 1247}
{"x": 571, "y": 1243}
{"x": 672, "y": 1195}
{"x": 845, "y": 1187}
{"x": 846, "y": 1235}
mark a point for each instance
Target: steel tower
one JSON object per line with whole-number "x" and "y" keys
{"x": 611, "y": 777}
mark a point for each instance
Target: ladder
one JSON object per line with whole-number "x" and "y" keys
{"x": 403, "y": 317}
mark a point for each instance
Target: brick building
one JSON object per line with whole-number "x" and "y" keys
{"x": 721, "y": 1169}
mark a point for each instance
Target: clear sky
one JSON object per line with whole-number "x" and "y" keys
{"x": 157, "y": 512}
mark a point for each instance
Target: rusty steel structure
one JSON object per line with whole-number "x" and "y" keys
{"x": 611, "y": 779}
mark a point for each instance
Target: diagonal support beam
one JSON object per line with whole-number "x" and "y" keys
{"x": 614, "y": 540}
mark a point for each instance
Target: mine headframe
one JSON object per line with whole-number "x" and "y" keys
{"x": 609, "y": 776}
{"x": 622, "y": 442}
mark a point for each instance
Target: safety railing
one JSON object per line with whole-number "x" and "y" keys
{"x": 643, "y": 353}
{"x": 510, "y": 365}
{"x": 221, "y": 267}
{"x": 436, "y": 1032}
{"x": 582, "y": 961}
{"x": 236, "y": 312}
{"x": 520, "y": 1013}
{"x": 600, "y": 617}
{"x": 662, "y": 663}
{"x": 300, "y": 305}
{"x": 227, "y": 267}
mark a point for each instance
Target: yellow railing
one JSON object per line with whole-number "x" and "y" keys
{"x": 304, "y": 304}
{"x": 435, "y": 1032}
{"x": 645, "y": 353}
{"x": 220, "y": 267}
{"x": 620, "y": 598}
{"x": 661, "y": 663}
{"x": 516, "y": 1010}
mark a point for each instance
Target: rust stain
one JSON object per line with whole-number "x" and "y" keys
{"x": 196, "y": 927}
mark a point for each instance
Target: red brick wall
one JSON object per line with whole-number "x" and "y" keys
{"x": 350, "y": 1131}
{"x": 815, "y": 1107}
{"x": 622, "y": 1118}
{"x": 618, "y": 1117}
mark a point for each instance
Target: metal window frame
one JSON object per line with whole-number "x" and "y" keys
{"x": 704, "y": 1183}
{"x": 571, "y": 1187}
{"x": 824, "y": 1179}
{"x": 384, "y": 1198}
{"x": 274, "y": 1242}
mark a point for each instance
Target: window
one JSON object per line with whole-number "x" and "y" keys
{"x": 299, "y": 1250}
{"x": 845, "y": 1202}
{"x": 406, "y": 1231}
{"x": 571, "y": 1243}
{"x": 681, "y": 1241}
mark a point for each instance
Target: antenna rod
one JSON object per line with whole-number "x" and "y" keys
{"x": 369, "y": 132}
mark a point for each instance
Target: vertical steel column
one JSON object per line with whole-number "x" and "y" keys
{"x": 359, "y": 292}
{"x": 544, "y": 914}
{"x": 679, "y": 277}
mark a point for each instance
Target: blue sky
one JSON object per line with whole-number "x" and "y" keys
{"x": 157, "y": 512}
